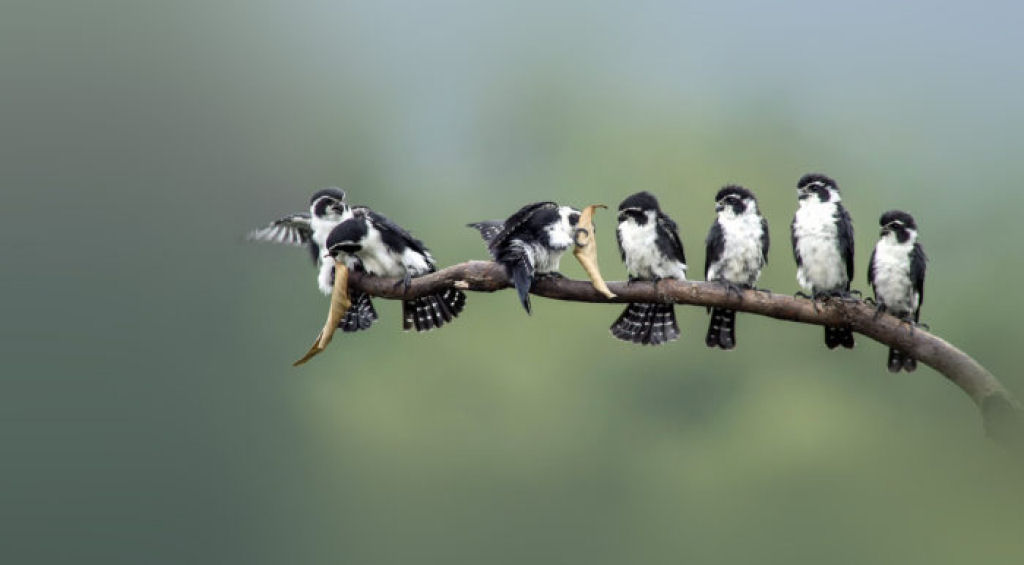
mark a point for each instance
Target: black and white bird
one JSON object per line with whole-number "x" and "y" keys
{"x": 530, "y": 243}
{"x": 384, "y": 249}
{"x": 327, "y": 208}
{"x": 651, "y": 249}
{"x": 737, "y": 251}
{"x": 896, "y": 273}
{"x": 822, "y": 236}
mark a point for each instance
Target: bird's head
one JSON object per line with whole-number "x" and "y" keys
{"x": 348, "y": 237}
{"x": 816, "y": 187}
{"x": 735, "y": 201}
{"x": 639, "y": 208}
{"x": 899, "y": 226}
{"x": 328, "y": 204}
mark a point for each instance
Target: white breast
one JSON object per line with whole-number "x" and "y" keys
{"x": 817, "y": 242}
{"x": 892, "y": 283}
{"x": 742, "y": 258}
{"x": 643, "y": 259}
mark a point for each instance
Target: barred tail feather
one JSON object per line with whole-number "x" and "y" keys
{"x": 722, "y": 329}
{"x": 647, "y": 324}
{"x": 360, "y": 316}
{"x": 432, "y": 311}
{"x": 901, "y": 360}
{"x": 836, "y": 336}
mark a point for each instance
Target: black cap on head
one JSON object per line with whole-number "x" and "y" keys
{"x": 897, "y": 216}
{"x": 736, "y": 190}
{"x": 643, "y": 200}
{"x": 816, "y": 178}
{"x": 333, "y": 191}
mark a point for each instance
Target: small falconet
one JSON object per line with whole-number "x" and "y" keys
{"x": 896, "y": 274}
{"x": 822, "y": 237}
{"x": 530, "y": 243}
{"x": 651, "y": 249}
{"x": 737, "y": 251}
{"x": 327, "y": 209}
{"x": 385, "y": 249}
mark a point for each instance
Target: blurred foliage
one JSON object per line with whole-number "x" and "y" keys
{"x": 151, "y": 412}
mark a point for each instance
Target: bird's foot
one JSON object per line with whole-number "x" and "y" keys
{"x": 762, "y": 290}
{"x": 551, "y": 275}
{"x": 405, "y": 283}
{"x": 879, "y": 310}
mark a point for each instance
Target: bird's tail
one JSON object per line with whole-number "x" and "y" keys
{"x": 722, "y": 329}
{"x": 432, "y": 311}
{"x": 647, "y": 324}
{"x": 836, "y": 336}
{"x": 520, "y": 270}
{"x": 901, "y": 360}
{"x": 360, "y": 315}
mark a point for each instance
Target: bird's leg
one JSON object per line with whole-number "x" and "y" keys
{"x": 762, "y": 290}
{"x": 802, "y": 294}
{"x": 405, "y": 282}
{"x": 847, "y": 295}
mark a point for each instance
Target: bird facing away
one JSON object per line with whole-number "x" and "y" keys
{"x": 651, "y": 249}
{"x": 327, "y": 209}
{"x": 530, "y": 243}
{"x": 822, "y": 236}
{"x": 737, "y": 250}
{"x": 385, "y": 249}
{"x": 896, "y": 274}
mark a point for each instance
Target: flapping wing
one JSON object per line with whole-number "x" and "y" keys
{"x": 290, "y": 230}
{"x": 669, "y": 233}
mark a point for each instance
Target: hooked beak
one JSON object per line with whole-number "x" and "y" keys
{"x": 802, "y": 194}
{"x": 719, "y": 206}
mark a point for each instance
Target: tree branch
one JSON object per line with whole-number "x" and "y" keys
{"x": 1001, "y": 412}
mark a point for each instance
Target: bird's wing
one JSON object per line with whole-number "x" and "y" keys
{"x": 515, "y": 221}
{"x": 792, "y": 238}
{"x": 871, "y": 268}
{"x": 392, "y": 233}
{"x": 917, "y": 267}
{"x": 766, "y": 240}
{"x": 669, "y": 234}
{"x": 844, "y": 229}
{"x": 290, "y": 230}
{"x": 714, "y": 246}
{"x": 489, "y": 229}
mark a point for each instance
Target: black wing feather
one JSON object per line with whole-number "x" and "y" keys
{"x": 489, "y": 229}
{"x": 668, "y": 232}
{"x": 766, "y": 240}
{"x": 871, "y": 269}
{"x": 394, "y": 235}
{"x": 918, "y": 262}
{"x": 714, "y": 246}
{"x": 844, "y": 229}
{"x": 792, "y": 238}
{"x": 516, "y": 220}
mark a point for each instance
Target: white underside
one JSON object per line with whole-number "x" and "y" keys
{"x": 817, "y": 242}
{"x": 643, "y": 259}
{"x": 893, "y": 286}
{"x": 742, "y": 258}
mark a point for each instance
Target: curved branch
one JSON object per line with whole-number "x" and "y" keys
{"x": 1000, "y": 410}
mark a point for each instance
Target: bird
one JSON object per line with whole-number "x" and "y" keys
{"x": 651, "y": 249}
{"x": 385, "y": 249}
{"x": 327, "y": 208}
{"x": 896, "y": 274}
{"x": 530, "y": 243}
{"x": 737, "y": 250}
{"x": 822, "y": 237}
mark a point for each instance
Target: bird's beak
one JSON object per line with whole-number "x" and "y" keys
{"x": 719, "y": 206}
{"x": 802, "y": 194}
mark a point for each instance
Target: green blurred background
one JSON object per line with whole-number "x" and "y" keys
{"x": 150, "y": 413}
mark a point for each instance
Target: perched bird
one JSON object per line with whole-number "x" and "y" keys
{"x": 327, "y": 209}
{"x": 737, "y": 251}
{"x": 385, "y": 249}
{"x": 651, "y": 249}
{"x": 530, "y": 243}
{"x": 822, "y": 235}
{"x": 896, "y": 273}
